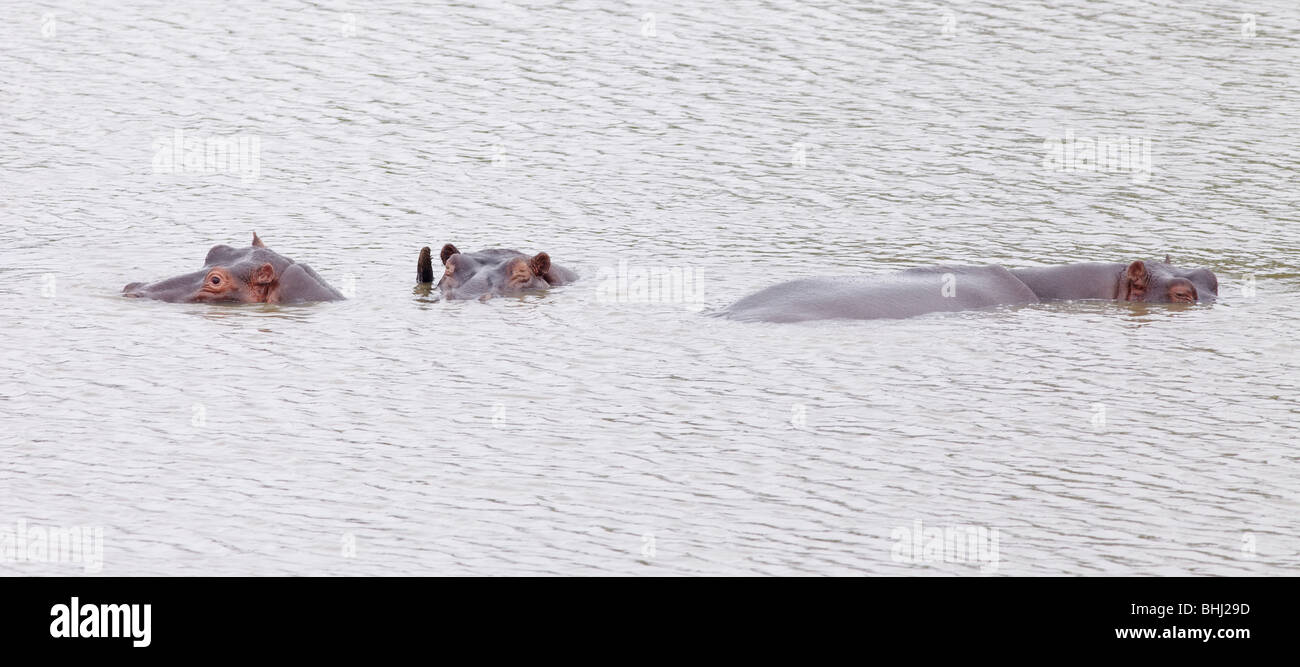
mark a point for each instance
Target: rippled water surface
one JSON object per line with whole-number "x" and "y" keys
{"x": 588, "y": 431}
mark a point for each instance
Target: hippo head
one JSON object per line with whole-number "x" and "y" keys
{"x": 1160, "y": 282}
{"x": 493, "y": 272}
{"x": 255, "y": 274}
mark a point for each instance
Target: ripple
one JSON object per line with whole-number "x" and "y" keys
{"x": 561, "y": 433}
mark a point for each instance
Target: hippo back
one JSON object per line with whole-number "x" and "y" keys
{"x": 903, "y": 294}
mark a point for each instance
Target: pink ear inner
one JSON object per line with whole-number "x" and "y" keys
{"x": 263, "y": 275}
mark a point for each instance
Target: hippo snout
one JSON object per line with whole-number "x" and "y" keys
{"x": 132, "y": 289}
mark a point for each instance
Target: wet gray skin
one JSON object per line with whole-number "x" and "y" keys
{"x": 920, "y": 291}
{"x": 1153, "y": 282}
{"x": 492, "y": 272}
{"x": 255, "y": 274}
{"x": 891, "y": 296}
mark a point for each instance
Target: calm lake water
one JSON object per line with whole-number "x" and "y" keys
{"x": 612, "y": 428}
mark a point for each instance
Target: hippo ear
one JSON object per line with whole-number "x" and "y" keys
{"x": 263, "y": 275}
{"x": 424, "y": 266}
{"x": 1133, "y": 285}
{"x": 257, "y": 243}
{"x": 540, "y": 264}
{"x": 447, "y": 251}
{"x": 1136, "y": 272}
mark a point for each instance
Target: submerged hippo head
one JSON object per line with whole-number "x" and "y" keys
{"x": 493, "y": 272}
{"x": 254, "y": 274}
{"x": 1161, "y": 282}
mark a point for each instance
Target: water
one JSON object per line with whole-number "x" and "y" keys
{"x": 577, "y": 432}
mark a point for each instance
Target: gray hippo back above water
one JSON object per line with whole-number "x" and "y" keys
{"x": 953, "y": 288}
{"x": 491, "y": 272}
{"x": 255, "y": 274}
{"x": 896, "y": 295}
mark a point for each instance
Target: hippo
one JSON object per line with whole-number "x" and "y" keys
{"x": 254, "y": 274}
{"x": 898, "y": 295}
{"x": 1156, "y": 282}
{"x": 491, "y": 272}
{"x": 952, "y": 288}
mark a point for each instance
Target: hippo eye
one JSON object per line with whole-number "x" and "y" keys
{"x": 215, "y": 280}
